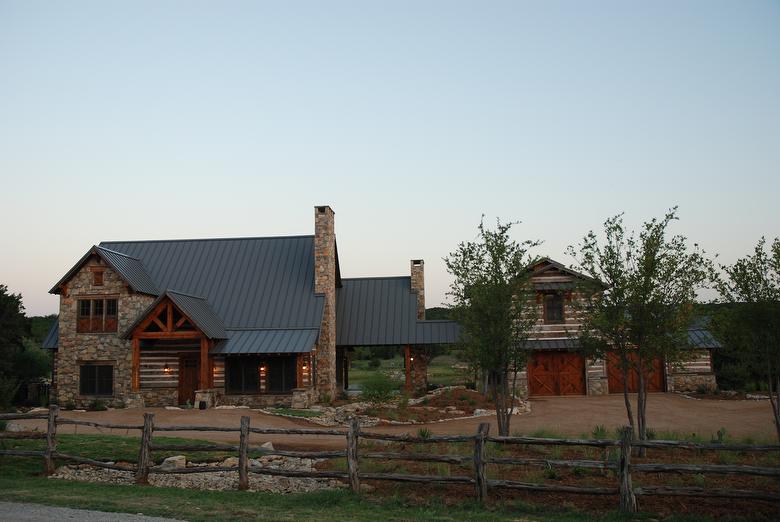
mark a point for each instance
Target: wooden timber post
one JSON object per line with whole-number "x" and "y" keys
{"x": 145, "y": 453}
{"x": 408, "y": 385}
{"x": 135, "y": 377}
{"x": 51, "y": 440}
{"x": 243, "y": 457}
{"x": 480, "y": 461}
{"x": 352, "y": 454}
{"x": 626, "y": 488}
{"x": 203, "y": 378}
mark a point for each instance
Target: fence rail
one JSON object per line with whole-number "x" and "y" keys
{"x": 479, "y": 460}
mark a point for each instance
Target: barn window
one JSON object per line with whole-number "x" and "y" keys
{"x": 97, "y": 315}
{"x": 96, "y": 379}
{"x": 553, "y": 308}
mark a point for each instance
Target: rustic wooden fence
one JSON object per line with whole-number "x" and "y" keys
{"x": 479, "y": 461}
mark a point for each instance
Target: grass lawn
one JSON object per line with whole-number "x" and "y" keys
{"x": 21, "y": 481}
{"x": 296, "y": 413}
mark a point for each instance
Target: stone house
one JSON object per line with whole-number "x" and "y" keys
{"x": 556, "y": 366}
{"x": 246, "y": 321}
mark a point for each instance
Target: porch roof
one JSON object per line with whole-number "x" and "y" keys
{"x": 267, "y": 341}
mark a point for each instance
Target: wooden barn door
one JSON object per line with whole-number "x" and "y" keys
{"x": 655, "y": 379}
{"x": 556, "y": 373}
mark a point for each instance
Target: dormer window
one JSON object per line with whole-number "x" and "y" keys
{"x": 553, "y": 308}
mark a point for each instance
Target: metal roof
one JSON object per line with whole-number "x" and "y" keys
{"x": 52, "y": 340}
{"x": 196, "y": 308}
{"x": 552, "y": 344}
{"x": 272, "y": 341}
{"x": 130, "y": 269}
{"x": 382, "y": 311}
{"x": 265, "y": 282}
{"x": 701, "y": 338}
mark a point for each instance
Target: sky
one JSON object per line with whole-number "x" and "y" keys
{"x": 411, "y": 119}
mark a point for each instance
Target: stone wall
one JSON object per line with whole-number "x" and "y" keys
{"x": 77, "y": 348}
{"x": 418, "y": 285}
{"x": 256, "y": 401}
{"x": 325, "y": 284}
{"x": 691, "y": 382}
{"x": 158, "y": 397}
{"x": 596, "y": 373}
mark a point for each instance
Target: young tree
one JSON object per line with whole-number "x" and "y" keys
{"x": 753, "y": 321}
{"x": 493, "y": 302}
{"x": 643, "y": 313}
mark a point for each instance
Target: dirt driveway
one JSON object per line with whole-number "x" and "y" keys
{"x": 572, "y": 416}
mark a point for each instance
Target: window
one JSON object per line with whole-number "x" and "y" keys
{"x": 97, "y": 278}
{"x": 553, "y": 308}
{"x": 97, "y": 315}
{"x": 96, "y": 379}
{"x": 243, "y": 374}
{"x": 282, "y": 374}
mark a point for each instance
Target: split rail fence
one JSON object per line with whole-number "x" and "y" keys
{"x": 623, "y": 467}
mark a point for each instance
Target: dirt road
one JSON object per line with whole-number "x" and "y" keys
{"x": 572, "y": 416}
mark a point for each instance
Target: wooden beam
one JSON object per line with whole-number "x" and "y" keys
{"x": 136, "y": 371}
{"x": 168, "y": 335}
{"x": 203, "y": 381}
{"x": 169, "y": 322}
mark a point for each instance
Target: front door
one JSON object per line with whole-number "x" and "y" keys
{"x": 189, "y": 370}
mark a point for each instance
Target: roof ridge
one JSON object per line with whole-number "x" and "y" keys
{"x": 257, "y": 329}
{"x": 376, "y": 277}
{"x": 171, "y": 291}
{"x": 206, "y": 239}
{"x": 116, "y": 252}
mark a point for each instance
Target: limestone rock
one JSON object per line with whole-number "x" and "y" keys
{"x": 179, "y": 461}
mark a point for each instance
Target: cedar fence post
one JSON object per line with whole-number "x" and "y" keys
{"x": 51, "y": 439}
{"x": 626, "y": 488}
{"x": 145, "y": 453}
{"x": 352, "y": 454}
{"x": 243, "y": 460}
{"x": 480, "y": 461}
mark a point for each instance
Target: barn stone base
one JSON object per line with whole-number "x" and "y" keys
{"x": 159, "y": 397}
{"x": 257, "y": 401}
{"x": 598, "y": 385}
{"x": 691, "y": 382}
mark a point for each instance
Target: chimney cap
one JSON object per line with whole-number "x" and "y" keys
{"x": 323, "y": 208}
{"x": 417, "y": 262}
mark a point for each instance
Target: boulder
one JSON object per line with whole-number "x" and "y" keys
{"x": 267, "y": 446}
{"x": 230, "y": 461}
{"x": 179, "y": 461}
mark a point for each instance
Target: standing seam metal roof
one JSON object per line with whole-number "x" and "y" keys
{"x": 52, "y": 340}
{"x": 270, "y": 341}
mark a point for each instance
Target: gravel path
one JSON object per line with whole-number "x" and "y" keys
{"x": 19, "y": 512}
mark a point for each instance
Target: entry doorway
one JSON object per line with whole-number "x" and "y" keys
{"x": 189, "y": 371}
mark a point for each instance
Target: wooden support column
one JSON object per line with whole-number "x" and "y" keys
{"x": 203, "y": 381}
{"x": 408, "y": 364}
{"x": 136, "y": 370}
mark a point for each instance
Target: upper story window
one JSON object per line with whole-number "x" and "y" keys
{"x": 553, "y": 308}
{"x": 97, "y": 278}
{"x": 97, "y": 315}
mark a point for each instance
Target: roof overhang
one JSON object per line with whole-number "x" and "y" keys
{"x": 269, "y": 341}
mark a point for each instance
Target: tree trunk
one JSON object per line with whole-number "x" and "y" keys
{"x": 641, "y": 405}
{"x": 774, "y": 400}
{"x": 500, "y": 395}
{"x": 629, "y": 410}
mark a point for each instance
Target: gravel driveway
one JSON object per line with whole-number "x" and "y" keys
{"x": 19, "y": 512}
{"x": 565, "y": 415}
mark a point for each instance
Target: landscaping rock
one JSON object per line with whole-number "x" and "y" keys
{"x": 267, "y": 446}
{"x": 179, "y": 461}
{"x": 230, "y": 461}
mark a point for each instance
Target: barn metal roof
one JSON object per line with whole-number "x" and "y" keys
{"x": 552, "y": 344}
{"x": 270, "y": 341}
{"x": 52, "y": 340}
{"x": 264, "y": 282}
{"x": 701, "y": 338}
{"x": 382, "y": 311}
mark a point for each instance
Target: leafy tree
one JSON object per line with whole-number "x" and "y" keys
{"x": 13, "y": 329}
{"x": 754, "y": 324}
{"x": 643, "y": 313}
{"x": 495, "y": 306}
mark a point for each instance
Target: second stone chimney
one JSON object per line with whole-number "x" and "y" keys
{"x": 325, "y": 284}
{"x": 418, "y": 285}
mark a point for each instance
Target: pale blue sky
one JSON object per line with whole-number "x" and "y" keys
{"x": 150, "y": 120}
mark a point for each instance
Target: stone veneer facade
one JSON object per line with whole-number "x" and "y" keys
{"x": 325, "y": 284}
{"x": 78, "y": 348}
{"x": 420, "y": 356}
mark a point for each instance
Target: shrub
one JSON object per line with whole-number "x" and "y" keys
{"x": 720, "y": 436}
{"x": 378, "y": 388}
{"x": 374, "y": 363}
{"x": 552, "y": 474}
{"x": 599, "y": 432}
{"x": 70, "y": 405}
{"x": 3, "y": 425}
{"x": 97, "y": 405}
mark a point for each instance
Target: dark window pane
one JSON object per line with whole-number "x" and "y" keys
{"x": 281, "y": 374}
{"x": 84, "y": 307}
{"x": 554, "y": 308}
{"x": 110, "y": 306}
{"x": 242, "y": 374}
{"x": 96, "y": 379}
{"x": 97, "y": 307}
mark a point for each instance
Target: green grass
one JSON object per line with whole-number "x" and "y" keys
{"x": 441, "y": 370}
{"x": 296, "y": 413}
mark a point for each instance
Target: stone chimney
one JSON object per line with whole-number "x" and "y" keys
{"x": 325, "y": 284}
{"x": 418, "y": 285}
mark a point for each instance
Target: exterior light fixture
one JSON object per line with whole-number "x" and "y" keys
{"x": 166, "y": 369}
{"x": 411, "y": 358}
{"x": 262, "y": 368}
{"x": 304, "y": 367}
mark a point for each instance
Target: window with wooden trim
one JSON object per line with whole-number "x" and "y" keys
{"x": 96, "y": 379}
{"x": 97, "y": 315}
{"x": 553, "y": 308}
{"x": 97, "y": 277}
